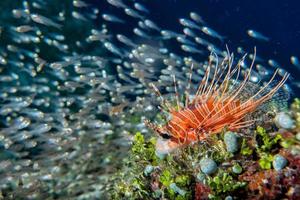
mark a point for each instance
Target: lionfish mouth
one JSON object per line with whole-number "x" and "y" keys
{"x": 224, "y": 99}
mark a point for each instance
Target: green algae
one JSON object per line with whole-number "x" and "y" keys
{"x": 222, "y": 184}
{"x": 265, "y": 141}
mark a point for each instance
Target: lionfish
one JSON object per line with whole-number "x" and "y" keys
{"x": 223, "y": 100}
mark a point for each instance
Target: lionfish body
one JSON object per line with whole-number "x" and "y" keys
{"x": 217, "y": 104}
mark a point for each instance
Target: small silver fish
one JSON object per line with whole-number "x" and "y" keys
{"x": 212, "y": 33}
{"x": 189, "y": 23}
{"x": 133, "y": 13}
{"x": 21, "y": 123}
{"x": 257, "y": 35}
{"x": 189, "y": 32}
{"x": 151, "y": 25}
{"x": 117, "y": 3}
{"x": 79, "y": 16}
{"x": 79, "y": 4}
{"x": 240, "y": 50}
{"x": 45, "y": 21}
{"x": 202, "y": 41}
{"x": 262, "y": 70}
{"x": 274, "y": 63}
{"x": 40, "y": 129}
{"x": 140, "y": 33}
{"x": 112, "y": 48}
{"x": 295, "y": 61}
{"x": 197, "y": 18}
{"x": 24, "y": 28}
{"x": 184, "y": 40}
{"x": 33, "y": 113}
{"x": 143, "y": 25}
{"x": 126, "y": 40}
{"x": 141, "y": 7}
{"x": 112, "y": 18}
{"x": 167, "y": 34}
{"x": 191, "y": 49}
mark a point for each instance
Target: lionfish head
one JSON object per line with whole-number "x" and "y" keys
{"x": 160, "y": 130}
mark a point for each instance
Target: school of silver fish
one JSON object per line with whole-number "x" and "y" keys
{"x": 75, "y": 86}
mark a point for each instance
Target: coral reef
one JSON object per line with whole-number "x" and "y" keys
{"x": 262, "y": 165}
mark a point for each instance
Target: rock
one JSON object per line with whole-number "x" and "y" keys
{"x": 208, "y": 166}
{"x": 298, "y": 136}
{"x": 237, "y": 169}
{"x": 279, "y": 162}
{"x": 176, "y": 189}
{"x": 158, "y": 193}
{"x": 284, "y": 120}
{"x": 295, "y": 150}
{"x": 228, "y": 198}
{"x": 231, "y": 140}
{"x": 201, "y": 177}
{"x": 148, "y": 169}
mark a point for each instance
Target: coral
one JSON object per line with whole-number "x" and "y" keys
{"x": 272, "y": 184}
{"x": 201, "y": 191}
{"x": 265, "y": 165}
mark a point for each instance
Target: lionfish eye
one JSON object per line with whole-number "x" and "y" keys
{"x": 165, "y": 135}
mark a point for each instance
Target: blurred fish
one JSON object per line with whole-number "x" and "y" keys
{"x": 112, "y": 48}
{"x": 133, "y": 13}
{"x": 24, "y": 28}
{"x": 117, "y": 3}
{"x": 140, "y": 33}
{"x": 191, "y": 49}
{"x": 240, "y": 50}
{"x": 295, "y": 61}
{"x": 212, "y": 33}
{"x": 45, "y": 21}
{"x": 189, "y": 32}
{"x": 188, "y": 23}
{"x": 141, "y": 7}
{"x": 274, "y": 63}
{"x": 111, "y": 18}
{"x": 197, "y": 18}
{"x": 262, "y": 70}
{"x": 257, "y": 35}
{"x": 184, "y": 40}
{"x": 126, "y": 40}
{"x": 151, "y": 25}
{"x": 169, "y": 34}
{"x": 79, "y": 16}
{"x": 79, "y": 4}
{"x": 202, "y": 41}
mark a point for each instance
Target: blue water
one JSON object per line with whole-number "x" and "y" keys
{"x": 278, "y": 20}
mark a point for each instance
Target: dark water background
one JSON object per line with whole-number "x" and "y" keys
{"x": 278, "y": 20}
